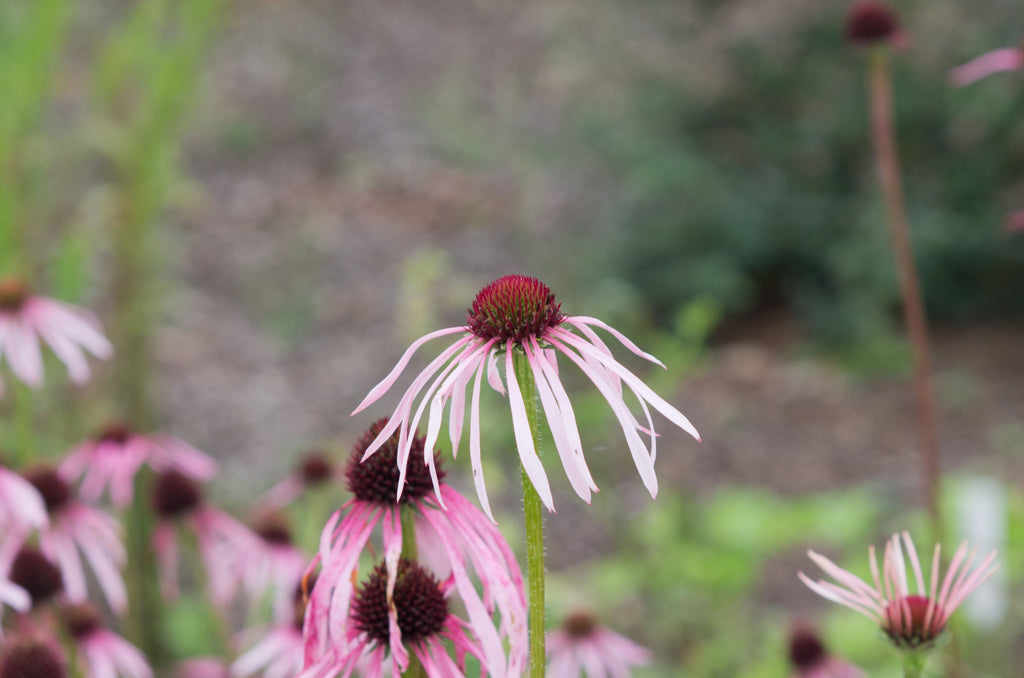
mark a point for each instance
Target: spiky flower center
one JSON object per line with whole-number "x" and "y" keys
{"x": 916, "y": 629}
{"x": 54, "y": 491}
{"x": 579, "y": 624}
{"x": 806, "y": 651}
{"x": 514, "y": 307}
{"x": 115, "y": 432}
{"x": 34, "y": 572}
{"x": 13, "y": 294}
{"x": 420, "y": 604}
{"x": 376, "y": 479}
{"x": 81, "y": 620}
{"x": 32, "y": 657}
{"x": 870, "y": 22}
{"x": 315, "y": 469}
{"x": 274, "y": 530}
{"x": 175, "y": 494}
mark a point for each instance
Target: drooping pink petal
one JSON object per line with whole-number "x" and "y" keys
{"x": 1005, "y": 59}
{"x": 562, "y": 427}
{"x": 641, "y": 455}
{"x": 637, "y": 385}
{"x": 474, "y": 446}
{"x": 524, "y": 436}
{"x": 387, "y": 382}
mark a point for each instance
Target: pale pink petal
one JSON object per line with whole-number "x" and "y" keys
{"x": 1005, "y": 59}
{"x": 23, "y": 353}
{"x": 641, "y": 455}
{"x": 637, "y": 385}
{"x": 474, "y": 446}
{"x": 78, "y": 324}
{"x": 524, "y": 436}
{"x": 388, "y": 381}
{"x": 569, "y": 451}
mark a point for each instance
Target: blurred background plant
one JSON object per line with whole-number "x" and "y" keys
{"x": 265, "y": 200}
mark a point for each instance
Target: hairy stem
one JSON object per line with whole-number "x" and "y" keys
{"x": 533, "y": 515}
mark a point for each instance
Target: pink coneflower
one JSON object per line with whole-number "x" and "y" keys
{"x": 996, "y": 61}
{"x": 110, "y": 461}
{"x": 314, "y": 470}
{"x": 202, "y": 667}
{"x": 279, "y": 651}
{"x": 101, "y": 652}
{"x": 224, "y": 543}
{"x": 76, "y": 530}
{"x": 517, "y": 313}
{"x": 460, "y": 540}
{"x": 277, "y": 567}
{"x": 809, "y": 658}
{"x": 21, "y": 507}
{"x": 400, "y": 608}
{"x": 583, "y": 646}
{"x": 11, "y": 594}
{"x": 36, "y": 574}
{"x": 25, "y": 320}
{"x": 32, "y": 655}
{"x": 912, "y": 621}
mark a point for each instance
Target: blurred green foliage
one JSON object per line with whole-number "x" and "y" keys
{"x": 762, "y": 192}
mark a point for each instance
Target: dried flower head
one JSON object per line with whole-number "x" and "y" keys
{"x": 870, "y": 22}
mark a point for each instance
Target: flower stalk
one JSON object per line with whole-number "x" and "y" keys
{"x": 24, "y": 425}
{"x": 533, "y": 516}
{"x": 410, "y": 553}
{"x": 913, "y": 664}
{"x": 914, "y": 318}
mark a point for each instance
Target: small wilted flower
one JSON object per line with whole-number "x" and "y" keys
{"x": 278, "y": 652}
{"x": 101, "y": 652}
{"x": 513, "y": 314}
{"x": 224, "y": 543}
{"x": 110, "y": 461}
{"x": 27, "y": 320}
{"x": 278, "y": 565}
{"x": 911, "y": 620}
{"x": 869, "y": 23}
{"x": 314, "y": 470}
{"x": 36, "y": 574}
{"x": 76, "y": 530}
{"x": 809, "y": 658}
{"x": 583, "y": 646}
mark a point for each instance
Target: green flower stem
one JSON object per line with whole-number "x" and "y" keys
{"x": 410, "y": 552}
{"x": 533, "y": 515}
{"x": 913, "y": 664}
{"x": 24, "y": 431}
{"x": 145, "y": 602}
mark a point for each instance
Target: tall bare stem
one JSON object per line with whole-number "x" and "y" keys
{"x": 884, "y": 138}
